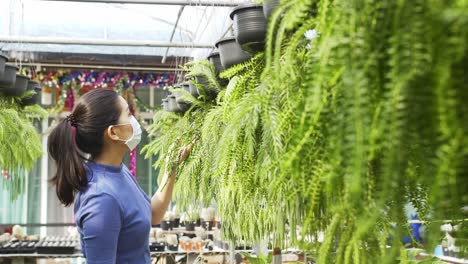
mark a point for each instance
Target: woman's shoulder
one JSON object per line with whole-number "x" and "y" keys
{"x": 100, "y": 186}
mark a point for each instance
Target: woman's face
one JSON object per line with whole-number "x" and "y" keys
{"x": 123, "y": 129}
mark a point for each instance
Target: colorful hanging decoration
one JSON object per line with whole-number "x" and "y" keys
{"x": 70, "y": 85}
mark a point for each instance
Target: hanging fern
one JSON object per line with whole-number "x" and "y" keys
{"x": 20, "y": 145}
{"x": 337, "y": 134}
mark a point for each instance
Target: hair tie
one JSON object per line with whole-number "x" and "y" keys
{"x": 71, "y": 119}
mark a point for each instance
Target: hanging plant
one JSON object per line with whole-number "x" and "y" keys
{"x": 20, "y": 145}
{"x": 355, "y": 110}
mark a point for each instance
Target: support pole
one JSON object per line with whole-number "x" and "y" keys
{"x": 101, "y": 42}
{"x": 231, "y": 3}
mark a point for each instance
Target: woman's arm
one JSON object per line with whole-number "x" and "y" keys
{"x": 162, "y": 197}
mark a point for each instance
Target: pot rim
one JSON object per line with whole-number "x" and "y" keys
{"x": 22, "y": 76}
{"x": 11, "y": 65}
{"x": 213, "y": 54}
{"x": 225, "y": 39}
{"x": 5, "y": 57}
{"x": 242, "y": 7}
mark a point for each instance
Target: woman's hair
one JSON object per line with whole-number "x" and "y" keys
{"x": 81, "y": 132}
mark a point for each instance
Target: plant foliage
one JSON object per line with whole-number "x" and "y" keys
{"x": 20, "y": 145}
{"x": 337, "y": 133}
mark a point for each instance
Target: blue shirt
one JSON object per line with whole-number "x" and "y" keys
{"x": 113, "y": 216}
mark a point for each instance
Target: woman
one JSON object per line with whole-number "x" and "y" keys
{"x": 112, "y": 213}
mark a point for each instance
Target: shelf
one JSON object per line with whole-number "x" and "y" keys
{"x": 447, "y": 258}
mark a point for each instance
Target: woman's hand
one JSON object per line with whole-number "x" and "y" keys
{"x": 185, "y": 151}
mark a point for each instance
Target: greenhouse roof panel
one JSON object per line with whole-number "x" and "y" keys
{"x": 23, "y": 19}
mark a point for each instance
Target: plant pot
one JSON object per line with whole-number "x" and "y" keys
{"x": 208, "y": 89}
{"x": 250, "y": 26}
{"x": 3, "y": 61}
{"x": 176, "y": 222}
{"x": 165, "y": 104}
{"x": 179, "y": 99}
{"x": 207, "y": 225}
{"x": 157, "y": 247}
{"x": 166, "y": 225}
{"x": 189, "y": 226}
{"x": 8, "y": 78}
{"x": 193, "y": 90}
{"x": 185, "y": 86}
{"x": 173, "y": 247}
{"x": 173, "y": 106}
{"x": 215, "y": 59}
{"x": 230, "y": 52}
{"x": 19, "y": 87}
{"x": 36, "y": 98}
{"x": 198, "y": 222}
{"x": 269, "y": 6}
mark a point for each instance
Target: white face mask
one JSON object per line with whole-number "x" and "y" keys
{"x": 133, "y": 141}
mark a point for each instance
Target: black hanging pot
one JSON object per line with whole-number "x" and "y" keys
{"x": 230, "y": 52}
{"x": 269, "y": 6}
{"x": 19, "y": 87}
{"x": 36, "y": 98}
{"x": 250, "y": 26}
{"x": 8, "y": 78}
{"x": 3, "y": 61}
{"x": 214, "y": 59}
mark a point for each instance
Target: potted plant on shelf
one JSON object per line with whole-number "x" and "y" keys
{"x": 230, "y": 52}
{"x": 191, "y": 218}
{"x": 207, "y": 216}
{"x": 166, "y": 223}
{"x": 172, "y": 242}
{"x": 250, "y": 26}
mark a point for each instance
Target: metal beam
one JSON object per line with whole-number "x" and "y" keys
{"x": 102, "y": 42}
{"x": 173, "y": 32}
{"x": 231, "y": 3}
{"x": 98, "y": 67}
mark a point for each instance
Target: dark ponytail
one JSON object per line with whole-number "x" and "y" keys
{"x": 79, "y": 134}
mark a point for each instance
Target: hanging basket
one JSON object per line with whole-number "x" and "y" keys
{"x": 8, "y": 78}
{"x": 230, "y": 52}
{"x": 215, "y": 59}
{"x": 19, "y": 86}
{"x": 250, "y": 26}
{"x": 192, "y": 89}
{"x": 269, "y": 6}
{"x": 165, "y": 104}
{"x": 174, "y": 106}
{"x": 36, "y": 98}
{"x": 3, "y": 61}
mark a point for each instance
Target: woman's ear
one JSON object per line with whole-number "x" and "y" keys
{"x": 110, "y": 133}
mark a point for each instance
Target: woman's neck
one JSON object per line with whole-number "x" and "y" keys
{"x": 110, "y": 157}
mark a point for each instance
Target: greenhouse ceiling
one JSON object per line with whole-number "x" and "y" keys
{"x": 165, "y": 28}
